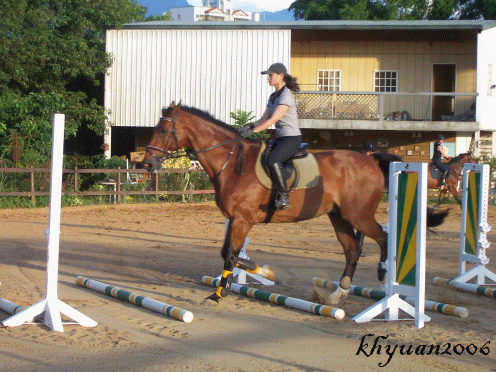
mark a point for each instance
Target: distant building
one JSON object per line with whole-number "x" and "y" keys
{"x": 213, "y": 10}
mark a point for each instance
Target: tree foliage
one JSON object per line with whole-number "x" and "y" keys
{"x": 393, "y": 9}
{"x": 52, "y": 58}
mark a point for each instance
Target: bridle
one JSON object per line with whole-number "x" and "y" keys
{"x": 240, "y": 160}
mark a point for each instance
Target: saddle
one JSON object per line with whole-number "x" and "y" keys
{"x": 437, "y": 173}
{"x": 300, "y": 172}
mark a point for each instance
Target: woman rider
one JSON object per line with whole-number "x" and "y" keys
{"x": 281, "y": 111}
{"x": 439, "y": 153}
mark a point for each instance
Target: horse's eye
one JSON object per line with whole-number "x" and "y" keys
{"x": 164, "y": 130}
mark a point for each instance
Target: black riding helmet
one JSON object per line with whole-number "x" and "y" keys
{"x": 369, "y": 146}
{"x": 440, "y": 137}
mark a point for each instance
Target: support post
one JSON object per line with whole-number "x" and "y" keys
{"x": 51, "y": 306}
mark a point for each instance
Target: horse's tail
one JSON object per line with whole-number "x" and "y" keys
{"x": 434, "y": 218}
{"x": 384, "y": 159}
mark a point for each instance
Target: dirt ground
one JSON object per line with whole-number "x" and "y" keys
{"x": 163, "y": 250}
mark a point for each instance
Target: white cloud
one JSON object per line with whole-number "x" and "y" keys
{"x": 254, "y": 5}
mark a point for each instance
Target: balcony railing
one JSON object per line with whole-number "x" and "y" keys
{"x": 336, "y": 105}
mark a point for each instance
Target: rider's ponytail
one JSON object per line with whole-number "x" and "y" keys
{"x": 291, "y": 83}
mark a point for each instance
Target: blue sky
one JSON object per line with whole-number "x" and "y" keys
{"x": 161, "y": 6}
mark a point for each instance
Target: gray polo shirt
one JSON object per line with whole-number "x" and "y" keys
{"x": 288, "y": 124}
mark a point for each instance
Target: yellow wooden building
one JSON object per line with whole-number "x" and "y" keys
{"x": 395, "y": 83}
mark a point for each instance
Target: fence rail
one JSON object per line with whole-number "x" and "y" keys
{"x": 119, "y": 186}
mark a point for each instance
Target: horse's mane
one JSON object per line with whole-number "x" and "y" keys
{"x": 457, "y": 158}
{"x": 207, "y": 116}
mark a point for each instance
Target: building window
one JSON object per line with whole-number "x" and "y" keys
{"x": 328, "y": 80}
{"x": 386, "y": 81}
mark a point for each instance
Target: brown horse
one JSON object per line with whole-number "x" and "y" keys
{"x": 455, "y": 166}
{"x": 349, "y": 189}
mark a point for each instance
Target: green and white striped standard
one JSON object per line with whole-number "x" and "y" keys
{"x": 377, "y": 294}
{"x": 278, "y": 299}
{"x": 136, "y": 299}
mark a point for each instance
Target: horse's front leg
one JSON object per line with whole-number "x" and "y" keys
{"x": 236, "y": 234}
{"x": 442, "y": 195}
{"x": 453, "y": 187}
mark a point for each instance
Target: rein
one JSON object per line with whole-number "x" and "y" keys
{"x": 170, "y": 155}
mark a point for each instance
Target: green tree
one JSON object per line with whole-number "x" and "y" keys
{"x": 52, "y": 58}
{"x": 393, "y": 9}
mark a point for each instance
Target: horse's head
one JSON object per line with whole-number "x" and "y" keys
{"x": 164, "y": 139}
{"x": 462, "y": 159}
{"x": 470, "y": 159}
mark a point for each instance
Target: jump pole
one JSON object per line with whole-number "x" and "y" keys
{"x": 12, "y": 308}
{"x": 377, "y": 294}
{"x": 51, "y": 306}
{"x": 278, "y": 299}
{"x": 136, "y": 299}
{"x": 406, "y": 245}
{"x": 474, "y": 226}
{"x": 466, "y": 287}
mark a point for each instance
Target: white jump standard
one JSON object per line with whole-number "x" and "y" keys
{"x": 474, "y": 228}
{"x": 136, "y": 299}
{"x": 406, "y": 245}
{"x": 51, "y": 306}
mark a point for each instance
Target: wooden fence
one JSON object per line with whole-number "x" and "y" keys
{"x": 115, "y": 188}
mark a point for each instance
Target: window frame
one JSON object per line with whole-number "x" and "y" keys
{"x": 387, "y": 87}
{"x": 329, "y": 78}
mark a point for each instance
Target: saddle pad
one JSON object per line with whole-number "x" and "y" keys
{"x": 306, "y": 173}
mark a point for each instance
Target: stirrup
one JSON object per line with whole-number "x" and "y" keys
{"x": 282, "y": 202}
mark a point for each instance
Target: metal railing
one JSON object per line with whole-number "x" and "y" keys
{"x": 336, "y": 105}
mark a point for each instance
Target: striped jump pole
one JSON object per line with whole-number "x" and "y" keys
{"x": 12, "y": 308}
{"x": 136, "y": 299}
{"x": 379, "y": 295}
{"x": 278, "y": 299}
{"x": 466, "y": 287}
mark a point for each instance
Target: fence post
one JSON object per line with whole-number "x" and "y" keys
{"x": 31, "y": 179}
{"x": 118, "y": 184}
{"x": 76, "y": 189}
{"x": 156, "y": 185}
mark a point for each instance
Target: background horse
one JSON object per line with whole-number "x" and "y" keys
{"x": 455, "y": 166}
{"x": 349, "y": 189}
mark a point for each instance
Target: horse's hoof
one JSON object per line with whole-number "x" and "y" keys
{"x": 267, "y": 272}
{"x": 318, "y": 296}
{"x": 335, "y": 297}
{"x": 213, "y": 299}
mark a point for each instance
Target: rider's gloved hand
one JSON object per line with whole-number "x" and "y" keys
{"x": 246, "y": 131}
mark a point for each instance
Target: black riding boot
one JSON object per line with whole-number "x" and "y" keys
{"x": 282, "y": 200}
{"x": 443, "y": 177}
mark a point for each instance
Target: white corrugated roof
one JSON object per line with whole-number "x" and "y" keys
{"x": 323, "y": 25}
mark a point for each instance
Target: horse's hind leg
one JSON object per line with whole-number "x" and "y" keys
{"x": 374, "y": 231}
{"x": 346, "y": 236}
